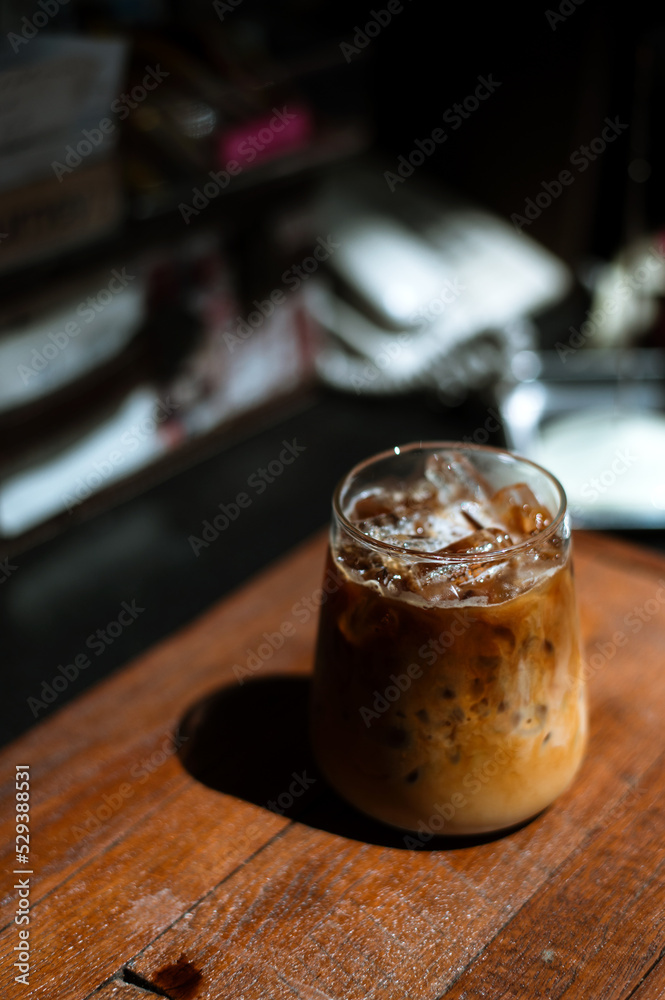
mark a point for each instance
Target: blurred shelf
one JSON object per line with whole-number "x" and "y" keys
{"x": 189, "y": 453}
{"x": 248, "y": 191}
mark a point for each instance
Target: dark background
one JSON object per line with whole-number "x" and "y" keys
{"x": 556, "y": 88}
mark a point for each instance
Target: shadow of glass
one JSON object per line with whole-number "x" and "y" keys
{"x": 251, "y": 741}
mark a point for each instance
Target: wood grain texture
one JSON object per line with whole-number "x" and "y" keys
{"x": 653, "y": 985}
{"x": 97, "y": 743}
{"x": 205, "y": 893}
{"x": 595, "y": 929}
{"x": 117, "y": 990}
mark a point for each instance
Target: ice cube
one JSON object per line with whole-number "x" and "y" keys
{"x": 376, "y": 504}
{"x": 432, "y": 582}
{"x": 455, "y": 477}
{"x": 422, "y": 494}
{"x": 446, "y": 527}
{"x": 480, "y": 514}
{"x": 522, "y": 514}
{"x": 481, "y": 583}
{"x": 407, "y": 532}
{"x": 367, "y": 565}
{"x": 483, "y": 540}
{"x": 381, "y": 527}
{"x": 382, "y": 506}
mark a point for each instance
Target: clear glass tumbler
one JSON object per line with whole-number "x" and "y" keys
{"x": 448, "y": 695}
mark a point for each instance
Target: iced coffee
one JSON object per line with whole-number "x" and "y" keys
{"x": 448, "y": 695}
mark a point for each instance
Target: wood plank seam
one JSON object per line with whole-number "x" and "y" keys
{"x": 120, "y": 980}
{"x": 129, "y": 976}
{"x": 197, "y": 902}
{"x": 579, "y": 849}
{"x": 629, "y": 771}
{"x": 92, "y": 860}
{"x": 645, "y": 977}
{"x": 646, "y": 980}
{"x": 656, "y": 767}
{"x": 597, "y": 828}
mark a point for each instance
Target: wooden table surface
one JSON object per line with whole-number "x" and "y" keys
{"x": 161, "y": 865}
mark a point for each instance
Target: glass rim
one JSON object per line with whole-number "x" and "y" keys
{"x": 452, "y": 557}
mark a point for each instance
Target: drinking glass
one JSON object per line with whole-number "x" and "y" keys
{"x": 448, "y": 694}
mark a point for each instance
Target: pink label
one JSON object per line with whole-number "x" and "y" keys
{"x": 286, "y": 128}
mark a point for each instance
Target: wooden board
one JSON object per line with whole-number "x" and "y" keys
{"x": 169, "y": 857}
